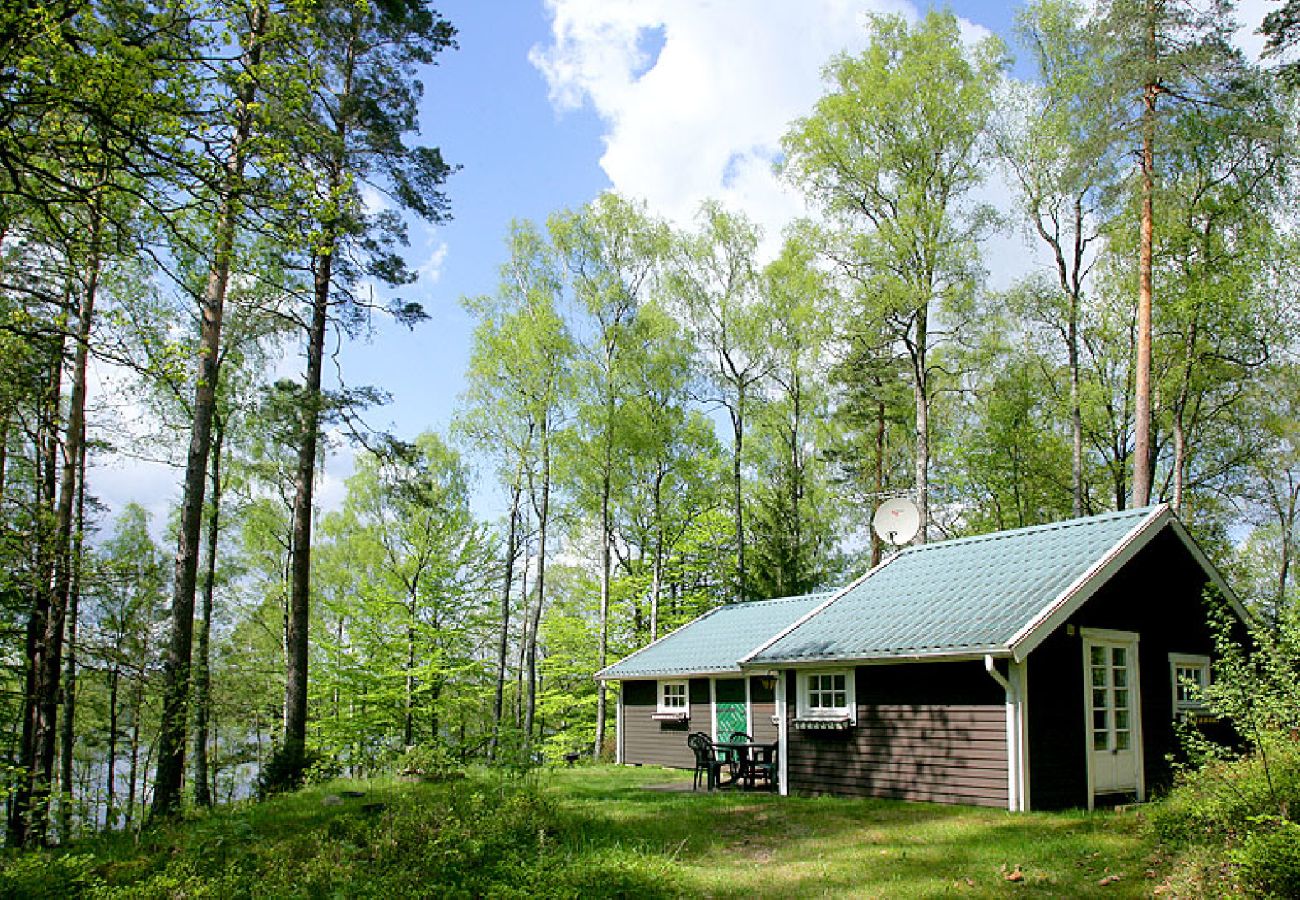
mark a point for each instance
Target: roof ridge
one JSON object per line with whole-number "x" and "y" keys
{"x": 1133, "y": 511}
{"x": 789, "y": 599}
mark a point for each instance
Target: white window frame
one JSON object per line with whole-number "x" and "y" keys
{"x": 805, "y": 711}
{"x": 661, "y": 689}
{"x": 1188, "y": 661}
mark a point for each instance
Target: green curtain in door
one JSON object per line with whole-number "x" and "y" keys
{"x": 729, "y": 698}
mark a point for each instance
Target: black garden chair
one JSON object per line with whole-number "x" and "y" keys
{"x": 765, "y": 769}
{"x": 706, "y": 761}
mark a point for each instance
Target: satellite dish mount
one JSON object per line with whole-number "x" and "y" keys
{"x": 896, "y": 521}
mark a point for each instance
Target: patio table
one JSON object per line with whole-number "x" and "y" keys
{"x": 747, "y": 755}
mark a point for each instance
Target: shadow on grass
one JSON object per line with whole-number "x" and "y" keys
{"x": 759, "y": 845}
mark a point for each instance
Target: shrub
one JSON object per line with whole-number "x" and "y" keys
{"x": 1268, "y": 860}
{"x": 39, "y": 875}
{"x": 1214, "y": 803}
{"x": 432, "y": 762}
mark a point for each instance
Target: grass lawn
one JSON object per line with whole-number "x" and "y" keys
{"x": 598, "y": 832}
{"x": 755, "y": 845}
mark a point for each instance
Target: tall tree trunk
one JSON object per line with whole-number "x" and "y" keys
{"x": 737, "y": 499}
{"x": 879, "y": 473}
{"x": 921, "y": 394}
{"x": 1142, "y": 459}
{"x": 503, "y": 635}
{"x": 202, "y": 663}
{"x": 47, "y": 659}
{"x": 801, "y": 572}
{"x": 44, "y": 452}
{"x": 293, "y": 747}
{"x": 110, "y": 790}
{"x": 1074, "y": 288}
{"x": 543, "y": 521}
{"x": 137, "y": 708}
{"x": 526, "y": 604}
{"x": 68, "y": 736}
{"x": 408, "y": 719}
{"x": 602, "y": 649}
{"x": 4, "y": 459}
{"x": 176, "y": 669}
{"x": 1180, "y": 416}
{"x": 657, "y": 567}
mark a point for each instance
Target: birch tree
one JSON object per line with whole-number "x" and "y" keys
{"x": 890, "y": 155}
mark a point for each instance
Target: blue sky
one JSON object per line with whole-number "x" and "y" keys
{"x": 545, "y": 104}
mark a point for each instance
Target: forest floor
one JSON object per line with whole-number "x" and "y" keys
{"x": 599, "y": 832}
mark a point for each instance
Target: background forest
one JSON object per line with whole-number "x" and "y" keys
{"x": 209, "y": 198}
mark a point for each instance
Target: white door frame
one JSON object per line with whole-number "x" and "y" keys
{"x": 1129, "y": 639}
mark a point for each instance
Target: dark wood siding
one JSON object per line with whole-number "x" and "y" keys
{"x": 925, "y": 731}
{"x": 1158, "y": 595}
{"x": 1058, "y": 777}
{"x": 652, "y": 743}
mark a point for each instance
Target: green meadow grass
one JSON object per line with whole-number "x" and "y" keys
{"x": 598, "y": 832}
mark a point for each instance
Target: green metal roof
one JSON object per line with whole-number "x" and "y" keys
{"x": 969, "y": 595}
{"x": 716, "y": 641}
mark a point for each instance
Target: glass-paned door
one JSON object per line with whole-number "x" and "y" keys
{"x": 1112, "y": 714}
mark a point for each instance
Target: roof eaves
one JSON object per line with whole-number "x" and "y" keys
{"x": 835, "y": 595}
{"x": 901, "y": 656}
{"x": 666, "y": 674}
{"x": 1087, "y": 584}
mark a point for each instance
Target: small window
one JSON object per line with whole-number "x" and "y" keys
{"x": 1190, "y": 675}
{"x": 826, "y": 695}
{"x": 673, "y": 697}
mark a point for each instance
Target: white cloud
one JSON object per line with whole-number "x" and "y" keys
{"x": 430, "y": 271}
{"x": 703, "y": 116}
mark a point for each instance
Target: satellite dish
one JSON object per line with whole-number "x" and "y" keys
{"x": 896, "y": 521}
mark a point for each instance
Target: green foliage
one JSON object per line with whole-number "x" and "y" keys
{"x": 1255, "y": 686}
{"x": 401, "y": 586}
{"x": 1268, "y": 860}
{"x": 430, "y": 761}
{"x": 1241, "y": 808}
{"x": 1215, "y": 802}
{"x": 35, "y": 876}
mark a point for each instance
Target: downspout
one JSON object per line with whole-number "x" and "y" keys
{"x": 1014, "y": 787}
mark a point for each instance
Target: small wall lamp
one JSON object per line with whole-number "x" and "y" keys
{"x": 768, "y": 681}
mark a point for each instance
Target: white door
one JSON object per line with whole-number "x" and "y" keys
{"x": 1114, "y": 738}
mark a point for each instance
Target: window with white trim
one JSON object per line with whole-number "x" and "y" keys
{"x": 673, "y": 697}
{"x": 1190, "y": 675}
{"x": 826, "y": 695}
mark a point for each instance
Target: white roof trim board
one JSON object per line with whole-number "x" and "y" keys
{"x": 1077, "y": 594}
{"x": 1087, "y": 584}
